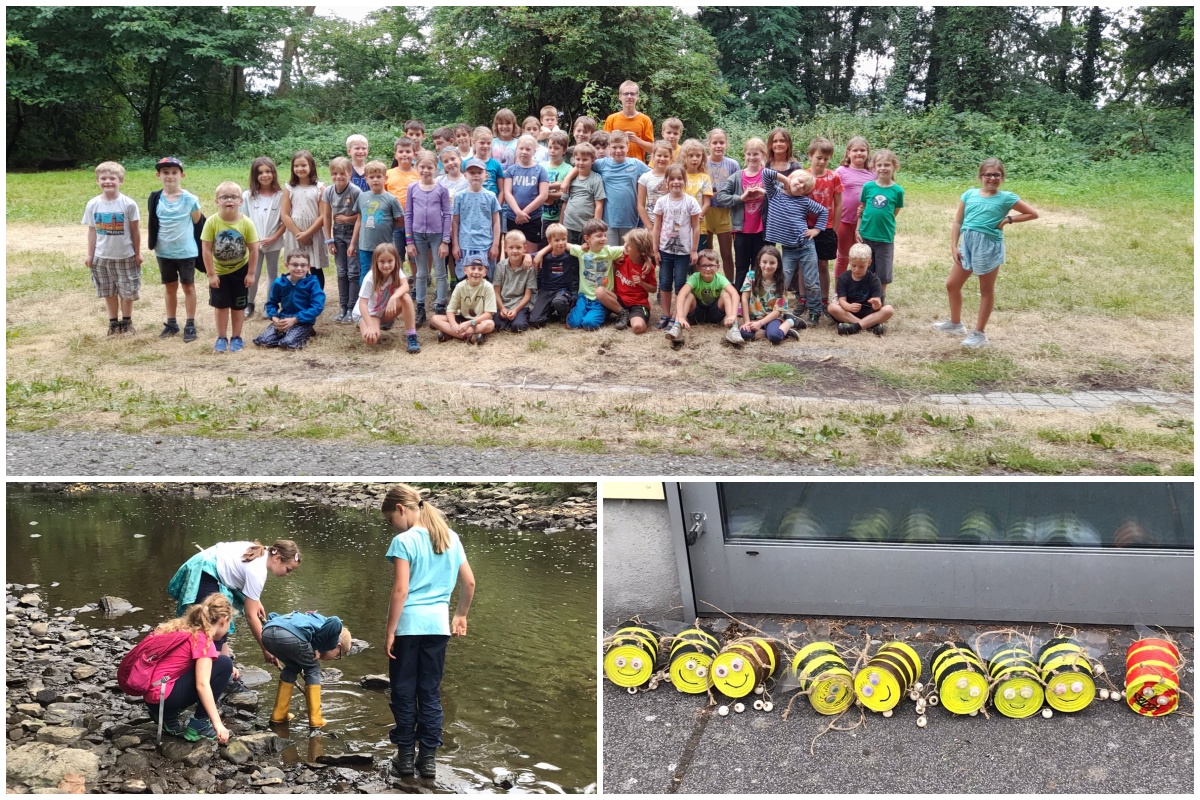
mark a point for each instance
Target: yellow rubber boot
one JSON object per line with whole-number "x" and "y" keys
{"x": 283, "y": 696}
{"x": 313, "y": 695}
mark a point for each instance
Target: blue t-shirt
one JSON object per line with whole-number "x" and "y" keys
{"x": 379, "y": 214}
{"x": 620, "y": 189}
{"x": 318, "y": 630}
{"x": 983, "y": 214}
{"x": 176, "y": 236}
{"x": 474, "y": 211}
{"x": 525, "y": 186}
{"x": 493, "y": 174}
{"x": 431, "y": 579}
{"x": 552, "y": 212}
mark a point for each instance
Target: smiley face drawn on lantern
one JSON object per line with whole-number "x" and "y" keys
{"x": 1019, "y": 700}
{"x": 733, "y": 675}
{"x": 628, "y": 665}
{"x": 690, "y": 673}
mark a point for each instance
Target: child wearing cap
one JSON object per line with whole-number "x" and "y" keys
{"x": 475, "y": 221}
{"x": 472, "y": 305}
{"x": 175, "y": 225}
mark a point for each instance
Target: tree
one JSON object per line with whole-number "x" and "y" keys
{"x": 569, "y": 56}
{"x": 905, "y": 40}
{"x": 1091, "y": 53}
{"x": 1158, "y": 62}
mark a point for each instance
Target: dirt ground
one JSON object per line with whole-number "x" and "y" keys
{"x": 338, "y": 386}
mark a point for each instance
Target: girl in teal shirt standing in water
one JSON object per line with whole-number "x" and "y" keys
{"x": 427, "y": 560}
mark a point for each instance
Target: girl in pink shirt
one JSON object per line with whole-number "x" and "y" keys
{"x": 854, "y": 175}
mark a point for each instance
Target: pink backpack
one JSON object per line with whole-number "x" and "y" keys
{"x": 136, "y": 673}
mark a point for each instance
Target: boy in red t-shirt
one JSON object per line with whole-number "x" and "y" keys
{"x": 827, "y": 192}
{"x": 633, "y": 280}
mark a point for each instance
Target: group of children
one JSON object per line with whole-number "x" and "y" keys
{"x": 516, "y": 228}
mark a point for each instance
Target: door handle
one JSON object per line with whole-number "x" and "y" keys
{"x": 693, "y": 533}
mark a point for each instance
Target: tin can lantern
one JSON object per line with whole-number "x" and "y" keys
{"x": 960, "y": 678}
{"x": 978, "y": 526}
{"x": 919, "y": 528}
{"x": 691, "y": 658}
{"x": 630, "y": 657}
{"x": 1152, "y": 677}
{"x": 743, "y": 665}
{"x": 1067, "y": 674}
{"x": 822, "y": 673}
{"x": 888, "y": 676}
{"x": 1018, "y": 691}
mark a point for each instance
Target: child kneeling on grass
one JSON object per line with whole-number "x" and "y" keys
{"x": 295, "y": 302}
{"x": 383, "y": 296}
{"x": 632, "y": 281}
{"x": 299, "y": 640}
{"x": 707, "y": 297}
{"x": 858, "y": 301}
{"x": 471, "y": 308}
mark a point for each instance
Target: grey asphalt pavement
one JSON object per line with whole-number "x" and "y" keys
{"x": 667, "y": 742}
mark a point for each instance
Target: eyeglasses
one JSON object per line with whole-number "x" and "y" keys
{"x": 629, "y": 94}
{"x": 992, "y": 175}
{"x": 229, "y": 197}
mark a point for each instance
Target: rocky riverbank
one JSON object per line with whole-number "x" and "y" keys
{"x": 488, "y": 505}
{"x": 70, "y": 729}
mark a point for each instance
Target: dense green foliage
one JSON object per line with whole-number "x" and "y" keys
{"x": 1047, "y": 89}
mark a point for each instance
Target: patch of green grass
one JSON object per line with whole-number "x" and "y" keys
{"x": 537, "y": 344}
{"x": 1017, "y": 458}
{"x": 1139, "y": 468}
{"x": 495, "y": 417}
{"x": 957, "y": 373}
{"x": 1181, "y": 468}
{"x": 782, "y": 373}
{"x": 582, "y": 445}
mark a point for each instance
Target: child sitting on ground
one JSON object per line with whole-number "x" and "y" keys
{"x": 114, "y": 246}
{"x": 299, "y": 640}
{"x": 764, "y": 301}
{"x": 707, "y": 297}
{"x": 472, "y": 305}
{"x": 295, "y": 302}
{"x": 633, "y": 280}
{"x": 858, "y": 302}
{"x": 230, "y": 245}
{"x": 514, "y": 285}
{"x": 595, "y": 264}
{"x": 384, "y": 296}
{"x": 557, "y": 280}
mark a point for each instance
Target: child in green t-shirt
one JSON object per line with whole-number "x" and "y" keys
{"x": 707, "y": 297}
{"x": 882, "y": 200}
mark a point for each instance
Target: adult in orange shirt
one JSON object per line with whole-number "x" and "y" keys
{"x": 636, "y": 124}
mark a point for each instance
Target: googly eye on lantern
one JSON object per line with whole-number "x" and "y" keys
{"x": 1163, "y": 700}
{"x": 689, "y": 665}
{"x": 962, "y": 683}
{"x": 701, "y": 672}
{"x": 1027, "y": 693}
{"x": 636, "y": 663}
{"x": 620, "y": 661}
{"x": 868, "y": 690}
{"x": 1009, "y": 694}
{"x": 974, "y": 691}
{"x": 874, "y": 679}
{"x": 1148, "y": 692}
{"x": 721, "y": 671}
{"x": 1077, "y": 687}
{"x": 1060, "y": 689}
{"x": 736, "y": 665}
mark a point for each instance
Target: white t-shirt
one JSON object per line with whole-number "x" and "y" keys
{"x": 675, "y": 225}
{"x": 247, "y": 577}
{"x": 376, "y": 301}
{"x": 111, "y": 219}
{"x": 264, "y": 212}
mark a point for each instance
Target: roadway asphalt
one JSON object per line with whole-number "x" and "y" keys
{"x": 664, "y": 741}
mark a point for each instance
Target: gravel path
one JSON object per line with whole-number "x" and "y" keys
{"x": 62, "y": 453}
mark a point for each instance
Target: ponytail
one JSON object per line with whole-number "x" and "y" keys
{"x": 204, "y": 616}
{"x": 432, "y": 520}
{"x": 286, "y": 549}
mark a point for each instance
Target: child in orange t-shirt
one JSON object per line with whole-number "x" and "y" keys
{"x": 633, "y": 122}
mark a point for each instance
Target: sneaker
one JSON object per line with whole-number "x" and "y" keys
{"x": 622, "y": 320}
{"x": 814, "y": 317}
{"x": 189, "y": 333}
{"x": 236, "y": 344}
{"x": 791, "y": 334}
{"x": 946, "y": 326}
{"x": 439, "y": 308}
{"x": 169, "y": 329}
{"x": 798, "y": 323}
{"x": 675, "y": 332}
{"x": 477, "y": 338}
{"x": 734, "y": 336}
{"x": 442, "y": 337}
{"x": 126, "y": 327}
{"x": 199, "y": 728}
{"x": 421, "y": 316}
{"x": 878, "y": 330}
{"x": 114, "y": 327}
{"x": 848, "y": 328}
{"x": 413, "y": 345}
{"x": 664, "y": 323}
{"x": 222, "y": 345}
{"x": 249, "y": 312}
{"x": 172, "y": 724}
{"x": 976, "y": 340}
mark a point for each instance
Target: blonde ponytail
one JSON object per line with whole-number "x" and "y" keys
{"x": 203, "y": 616}
{"x": 432, "y": 520}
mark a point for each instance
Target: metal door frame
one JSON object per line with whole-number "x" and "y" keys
{"x": 1071, "y": 585}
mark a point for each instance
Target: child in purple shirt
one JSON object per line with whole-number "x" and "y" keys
{"x": 427, "y": 232}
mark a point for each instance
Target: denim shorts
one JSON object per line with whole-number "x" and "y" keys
{"x": 980, "y": 253}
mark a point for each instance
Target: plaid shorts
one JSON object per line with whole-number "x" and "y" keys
{"x": 119, "y": 276}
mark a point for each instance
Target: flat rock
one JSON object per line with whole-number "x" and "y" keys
{"x": 55, "y": 734}
{"x": 236, "y": 752}
{"x": 39, "y": 629}
{"x": 79, "y": 645}
{"x": 34, "y": 710}
{"x": 48, "y": 696}
{"x": 73, "y": 636}
{"x": 82, "y": 673}
{"x": 254, "y": 676}
{"x": 247, "y": 700}
{"x": 265, "y": 743}
{"x": 346, "y": 759}
{"x": 126, "y": 742}
{"x": 134, "y": 786}
{"x": 200, "y": 778}
{"x": 44, "y": 765}
{"x": 375, "y": 682}
{"x": 31, "y": 600}
{"x": 65, "y": 713}
{"x": 180, "y": 750}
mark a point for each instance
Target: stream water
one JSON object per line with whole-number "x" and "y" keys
{"x": 519, "y": 691}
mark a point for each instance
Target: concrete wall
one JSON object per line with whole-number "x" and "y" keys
{"x": 640, "y": 575}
